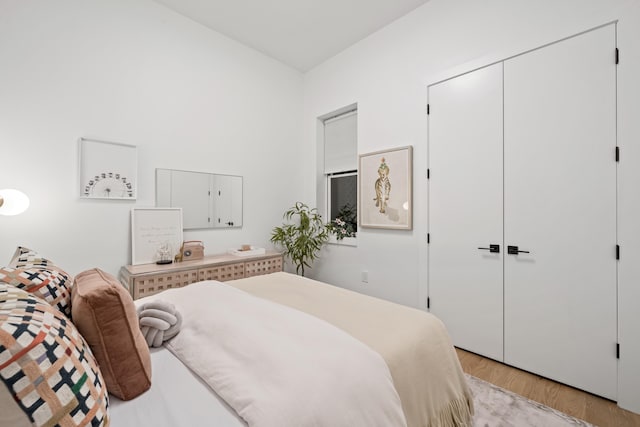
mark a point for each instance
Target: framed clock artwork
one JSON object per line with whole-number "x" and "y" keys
{"x": 108, "y": 170}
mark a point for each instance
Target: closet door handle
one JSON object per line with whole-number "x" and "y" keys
{"x": 513, "y": 250}
{"x": 495, "y": 249}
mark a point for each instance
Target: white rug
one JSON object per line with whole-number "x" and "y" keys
{"x": 497, "y": 407}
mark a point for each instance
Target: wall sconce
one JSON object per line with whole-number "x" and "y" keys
{"x": 13, "y": 202}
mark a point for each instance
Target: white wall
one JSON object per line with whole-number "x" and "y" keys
{"x": 135, "y": 72}
{"x": 387, "y": 75}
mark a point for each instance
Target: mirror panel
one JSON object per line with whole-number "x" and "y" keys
{"x": 190, "y": 191}
{"x": 207, "y": 200}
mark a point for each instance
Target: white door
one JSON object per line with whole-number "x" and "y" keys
{"x": 465, "y": 209}
{"x": 560, "y": 206}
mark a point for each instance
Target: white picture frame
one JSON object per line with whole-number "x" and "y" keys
{"x": 108, "y": 170}
{"x": 152, "y": 228}
{"x": 385, "y": 194}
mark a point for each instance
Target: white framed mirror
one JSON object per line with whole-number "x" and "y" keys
{"x": 207, "y": 200}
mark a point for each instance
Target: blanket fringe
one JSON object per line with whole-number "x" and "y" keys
{"x": 458, "y": 413}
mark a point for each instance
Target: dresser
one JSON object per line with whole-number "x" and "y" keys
{"x": 147, "y": 279}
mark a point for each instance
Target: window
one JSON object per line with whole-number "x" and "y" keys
{"x": 343, "y": 204}
{"x": 340, "y": 168}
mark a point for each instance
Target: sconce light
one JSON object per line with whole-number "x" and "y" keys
{"x": 13, "y": 202}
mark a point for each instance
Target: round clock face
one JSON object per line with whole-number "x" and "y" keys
{"x": 109, "y": 184}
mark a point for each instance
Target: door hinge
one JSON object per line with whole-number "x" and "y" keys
{"x": 428, "y": 109}
{"x": 617, "y": 56}
{"x": 428, "y": 173}
{"x": 209, "y": 219}
{"x": 617, "y": 350}
{"x": 617, "y": 252}
{"x": 209, "y": 193}
{"x": 617, "y": 154}
{"x": 428, "y": 238}
{"x": 428, "y": 302}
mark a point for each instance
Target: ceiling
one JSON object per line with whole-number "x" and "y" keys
{"x": 300, "y": 33}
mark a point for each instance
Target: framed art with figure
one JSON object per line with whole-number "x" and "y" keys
{"x": 385, "y": 189}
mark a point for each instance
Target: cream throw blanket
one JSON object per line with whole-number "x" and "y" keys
{"x": 279, "y": 367}
{"x": 415, "y": 344}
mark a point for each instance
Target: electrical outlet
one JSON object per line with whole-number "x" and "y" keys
{"x": 365, "y": 276}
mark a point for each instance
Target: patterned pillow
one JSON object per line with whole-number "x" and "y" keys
{"x": 33, "y": 273}
{"x": 25, "y": 257}
{"x": 46, "y": 365}
{"x": 50, "y": 284}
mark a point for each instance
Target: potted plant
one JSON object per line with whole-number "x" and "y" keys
{"x": 345, "y": 223}
{"x": 303, "y": 236}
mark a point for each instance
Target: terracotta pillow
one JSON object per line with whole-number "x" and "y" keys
{"x": 104, "y": 313}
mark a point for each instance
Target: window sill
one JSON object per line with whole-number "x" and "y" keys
{"x": 347, "y": 241}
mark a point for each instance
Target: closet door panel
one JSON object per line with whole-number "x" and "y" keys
{"x": 465, "y": 208}
{"x": 560, "y": 205}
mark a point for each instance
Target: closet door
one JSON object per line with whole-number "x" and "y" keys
{"x": 465, "y": 209}
{"x": 560, "y": 206}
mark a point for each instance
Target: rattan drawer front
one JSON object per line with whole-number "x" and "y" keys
{"x": 231, "y": 272}
{"x": 145, "y": 286}
{"x": 265, "y": 266}
{"x": 211, "y": 273}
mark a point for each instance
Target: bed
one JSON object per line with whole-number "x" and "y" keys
{"x": 414, "y": 344}
{"x": 268, "y": 351}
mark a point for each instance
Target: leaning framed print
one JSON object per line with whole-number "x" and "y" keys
{"x": 108, "y": 170}
{"x": 155, "y": 231}
{"x": 385, "y": 189}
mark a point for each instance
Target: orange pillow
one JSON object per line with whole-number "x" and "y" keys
{"x": 104, "y": 313}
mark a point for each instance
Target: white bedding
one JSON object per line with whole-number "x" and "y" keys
{"x": 276, "y": 366}
{"x": 177, "y": 398}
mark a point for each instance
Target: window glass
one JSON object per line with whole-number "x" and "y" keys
{"x": 343, "y": 202}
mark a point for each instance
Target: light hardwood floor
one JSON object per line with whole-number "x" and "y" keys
{"x": 577, "y": 403}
